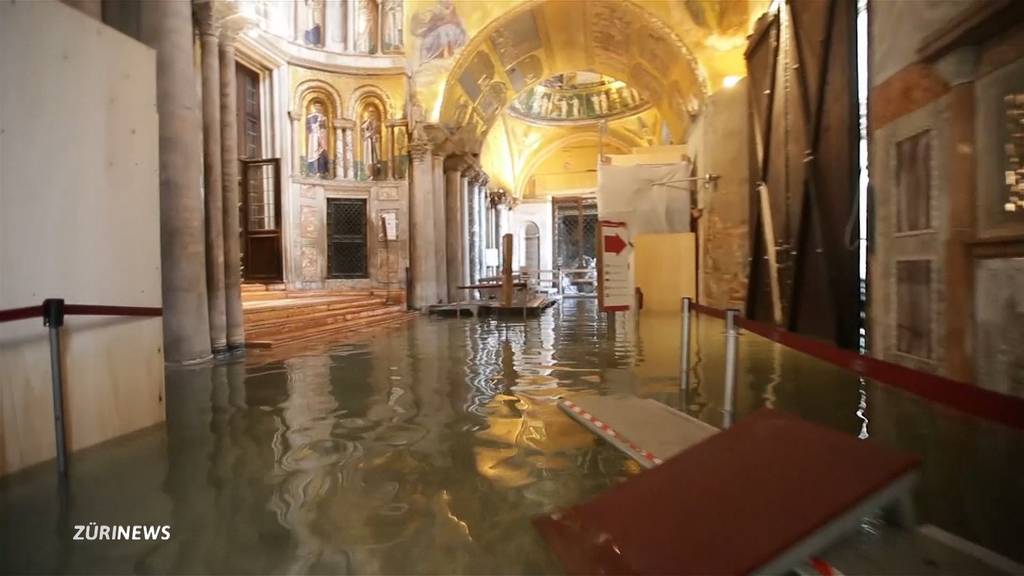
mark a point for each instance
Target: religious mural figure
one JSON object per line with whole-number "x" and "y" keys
{"x": 401, "y": 159}
{"x": 313, "y": 22}
{"x": 316, "y": 141}
{"x": 393, "y": 25}
{"x": 366, "y": 26}
{"x": 369, "y": 131}
{"x": 440, "y": 30}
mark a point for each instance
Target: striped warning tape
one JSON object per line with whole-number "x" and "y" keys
{"x": 611, "y": 432}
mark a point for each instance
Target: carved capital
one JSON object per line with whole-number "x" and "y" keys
{"x": 207, "y": 18}
{"x": 230, "y": 28}
{"x": 420, "y": 150}
{"x": 457, "y": 163}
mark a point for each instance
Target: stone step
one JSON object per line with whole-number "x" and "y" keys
{"x": 382, "y": 317}
{"x": 348, "y": 329}
{"x": 299, "y": 303}
{"x": 261, "y": 296}
{"x": 284, "y": 320}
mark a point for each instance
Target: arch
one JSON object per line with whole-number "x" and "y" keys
{"x": 619, "y": 39}
{"x": 616, "y": 140}
{"x": 531, "y": 245}
{"x": 308, "y": 87}
{"x": 369, "y": 90}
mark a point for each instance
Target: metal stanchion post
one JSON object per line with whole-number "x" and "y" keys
{"x": 731, "y": 346}
{"x": 53, "y": 318}
{"x": 684, "y": 354}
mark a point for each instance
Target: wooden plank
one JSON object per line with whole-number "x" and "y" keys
{"x": 698, "y": 514}
{"x": 646, "y": 430}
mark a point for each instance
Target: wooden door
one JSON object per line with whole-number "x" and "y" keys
{"x": 261, "y": 222}
{"x": 803, "y": 82}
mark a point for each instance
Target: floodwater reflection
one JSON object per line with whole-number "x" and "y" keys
{"x": 427, "y": 448}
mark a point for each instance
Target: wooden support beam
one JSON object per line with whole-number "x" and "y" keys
{"x": 506, "y": 270}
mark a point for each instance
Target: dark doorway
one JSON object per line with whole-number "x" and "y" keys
{"x": 346, "y": 238}
{"x": 261, "y": 222}
{"x": 250, "y": 125}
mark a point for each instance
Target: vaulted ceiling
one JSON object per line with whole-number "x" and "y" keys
{"x": 665, "y": 57}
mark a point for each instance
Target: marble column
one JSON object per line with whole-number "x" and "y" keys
{"x": 454, "y": 228}
{"x": 347, "y": 152}
{"x": 232, "y": 202}
{"x": 440, "y": 233}
{"x": 167, "y": 28}
{"x": 471, "y": 226}
{"x": 339, "y": 149}
{"x": 213, "y": 194}
{"x": 421, "y": 224}
{"x": 465, "y": 216}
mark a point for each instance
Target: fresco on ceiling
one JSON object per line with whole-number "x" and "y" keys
{"x": 440, "y": 31}
{"x": 577, "y": 97}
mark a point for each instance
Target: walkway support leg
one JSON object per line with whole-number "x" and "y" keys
{"x": 731, "y": 346}
{"x": 53, "y": 318}
{"x": 684, "y": 352}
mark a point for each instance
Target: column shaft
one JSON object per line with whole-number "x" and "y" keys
{"x": 421, "y": 224}
{"x": 465, "y": 190}
{"x": 440, "y": 234}
{"x": 232, "y": 201}
{"x": 453, "y": 231}
{"x": 214, "y": 192}
{"x": 167, "y": 28}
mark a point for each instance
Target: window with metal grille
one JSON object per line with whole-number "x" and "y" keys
{"x": 346, "y": 238}
{"x": 575, "y": 232}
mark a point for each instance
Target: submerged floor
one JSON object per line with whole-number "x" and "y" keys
{"x": 426, "y": 448}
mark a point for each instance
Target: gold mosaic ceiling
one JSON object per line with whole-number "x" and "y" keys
{"x": 672, "y": 53}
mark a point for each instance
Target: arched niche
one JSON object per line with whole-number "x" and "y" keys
{"x": 373, "y": 141}
{"x": 318, "y": 141}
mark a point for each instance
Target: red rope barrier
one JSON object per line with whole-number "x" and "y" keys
{"x": 962, "y": 396}
{"x": 80, "y": 310}
{"x": 21, "y": 313}
{"x": 95, "y": 310}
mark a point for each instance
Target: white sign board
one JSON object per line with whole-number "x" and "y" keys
{"x": 390, "y": 218}
{"x": 616, "y": 276}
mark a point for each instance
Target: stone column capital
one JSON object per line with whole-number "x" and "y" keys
{"x": 457, "y": 163}
{"x": 420, "y": 149}
{"x": 208, "y": 19}
{"x": 231, "y": 27}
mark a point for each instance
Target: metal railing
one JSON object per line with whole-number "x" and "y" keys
{"x": 53, "y": 311}
{"x": 962, "y": 396}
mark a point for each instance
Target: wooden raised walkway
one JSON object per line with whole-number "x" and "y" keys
{"x": 275, "y": 317}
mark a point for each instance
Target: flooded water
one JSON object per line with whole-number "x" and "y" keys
{"x": 427, "y": 448}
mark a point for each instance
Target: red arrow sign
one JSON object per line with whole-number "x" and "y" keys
{"x": 614, "y": 243}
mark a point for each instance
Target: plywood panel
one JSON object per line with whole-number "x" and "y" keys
{"x": 80, "y": 221}
{"x": 665, "y": 269}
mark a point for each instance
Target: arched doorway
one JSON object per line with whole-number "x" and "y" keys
{"x": 532, "y": 246}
